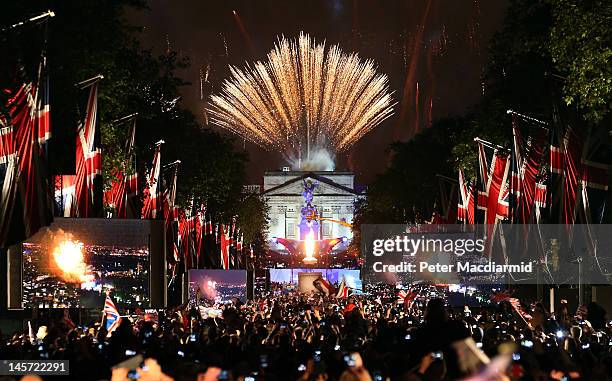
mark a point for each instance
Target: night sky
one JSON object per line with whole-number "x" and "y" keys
{"x": 433, "y": 52}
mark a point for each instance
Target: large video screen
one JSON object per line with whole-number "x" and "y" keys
{"x": 75, "y": 262}
{"x": 290, "y": 277}
{"x": 213, "y": 287}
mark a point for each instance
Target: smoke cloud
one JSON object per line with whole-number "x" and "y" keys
{"x": 320, "y": 160}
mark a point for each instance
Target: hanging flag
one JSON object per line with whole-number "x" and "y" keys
{"x": 88, "y": 184}
{"x": 211, "y": 252}
{"x": 171, "y": 217}
{"x": 582, "y": 182}
{"x": 528, "y": 189}
{"x": 26, "y": 201}
{"x": 43, "y": 117}
{"x": 493, "y": 196}
{"x": 113, "y": 319}
{"x": 152, "y": 203}
{"x": 225, "y": 247}
{"x": 465, "y": 209}
{"x": 124, "y": 187}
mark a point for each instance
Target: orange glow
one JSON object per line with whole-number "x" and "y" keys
{"x": 309, "y": 247}
{"x": 69, "y": 258}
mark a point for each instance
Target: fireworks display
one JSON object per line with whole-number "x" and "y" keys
{"x": 69, "y": 258}
{"x": 304, "y": 97}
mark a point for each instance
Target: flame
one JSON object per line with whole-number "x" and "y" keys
{"x": 69, "y": 258}
{"x": 309, "y": 247}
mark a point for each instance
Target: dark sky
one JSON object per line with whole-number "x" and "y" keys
{"x": 433, "y": 52}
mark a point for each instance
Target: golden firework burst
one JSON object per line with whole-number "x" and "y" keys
{"x": 303, "y": 96}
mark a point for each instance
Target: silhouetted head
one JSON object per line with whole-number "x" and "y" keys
{"x": 435, "y": 311}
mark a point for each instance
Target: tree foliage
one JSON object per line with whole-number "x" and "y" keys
{"x": 580, "y": 48}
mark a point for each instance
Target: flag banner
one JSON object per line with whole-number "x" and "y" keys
{"x": 225, "y": 242}
{"x": 26, "y": 203}
{"x": 113, "y": 319}
{"x": 343, "y": 290}
{"x": 581, "y": 182}
{"x": 531, "y": 253}
{"x": 88, "y": 160}
{"x": 171, "y": 218}
{"x": 152, "y": 203}
{"x": 465, "y": 207}
{"x": 492, "y": 205}
{"x": 43, "y": 117}
{"x": 527, "y": 184}
{"x": 323, "y": 286}
{"x": 120, "y": 197}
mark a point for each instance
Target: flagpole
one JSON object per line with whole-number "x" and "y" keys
{"x": 48, "y": 14}
{"x": 124, "y": 119}
{"x": 88, "y": 82}
{"x": 541, "y": 123}
{"x": 446, "y": 178}
{"x": 491, "y": 145}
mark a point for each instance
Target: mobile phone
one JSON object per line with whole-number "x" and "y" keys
{"x": 133, "y": 375}
{"x": 263, "y": 361}
{"x": 192, "y": 337}
{"x": 350, "y": 360}
{"x": 527, "y": 343}
{"x": 223, "y": 376}
{"x": 301, "y": 368}
{"x": 317, "y": 356}
{"x": 437, "y": 355}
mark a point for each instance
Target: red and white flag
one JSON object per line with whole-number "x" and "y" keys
{"x": 152, "y": 203}
{"x": 88, "y": 158}
{"x": 225, "y": 247}
{"x": 493, "y": 197}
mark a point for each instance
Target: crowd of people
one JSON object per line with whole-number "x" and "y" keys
{"x": 372, "y": 336}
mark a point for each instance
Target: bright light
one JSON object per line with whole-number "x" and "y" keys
{"x": 309, "y": 247}
{"x": 560, "y": 334}
{"x": 69, "y": 258}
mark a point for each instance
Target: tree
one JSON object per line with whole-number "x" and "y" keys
{"x": 580, "y": 39}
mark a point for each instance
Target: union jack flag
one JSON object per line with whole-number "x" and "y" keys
{"x": 465, "y": 209}
{"x": 225, "y": 247}
{"x": 152, "y": 207}
{"x": 493, "y": 197}
{"x": 124, "y": 187}
{"x": 405, "y": 297}
{"x": 527, "y": 186}
{"x": 26, "y": 200}
{"x": 343, "y": 290}
{"x": 88, "y": 158}
{"x": 113, "y": 319}
{"x": 582, "y": 180}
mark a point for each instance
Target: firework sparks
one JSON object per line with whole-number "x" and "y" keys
{"x": 69, "y": 258}
{"x": 304, "y": 96}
